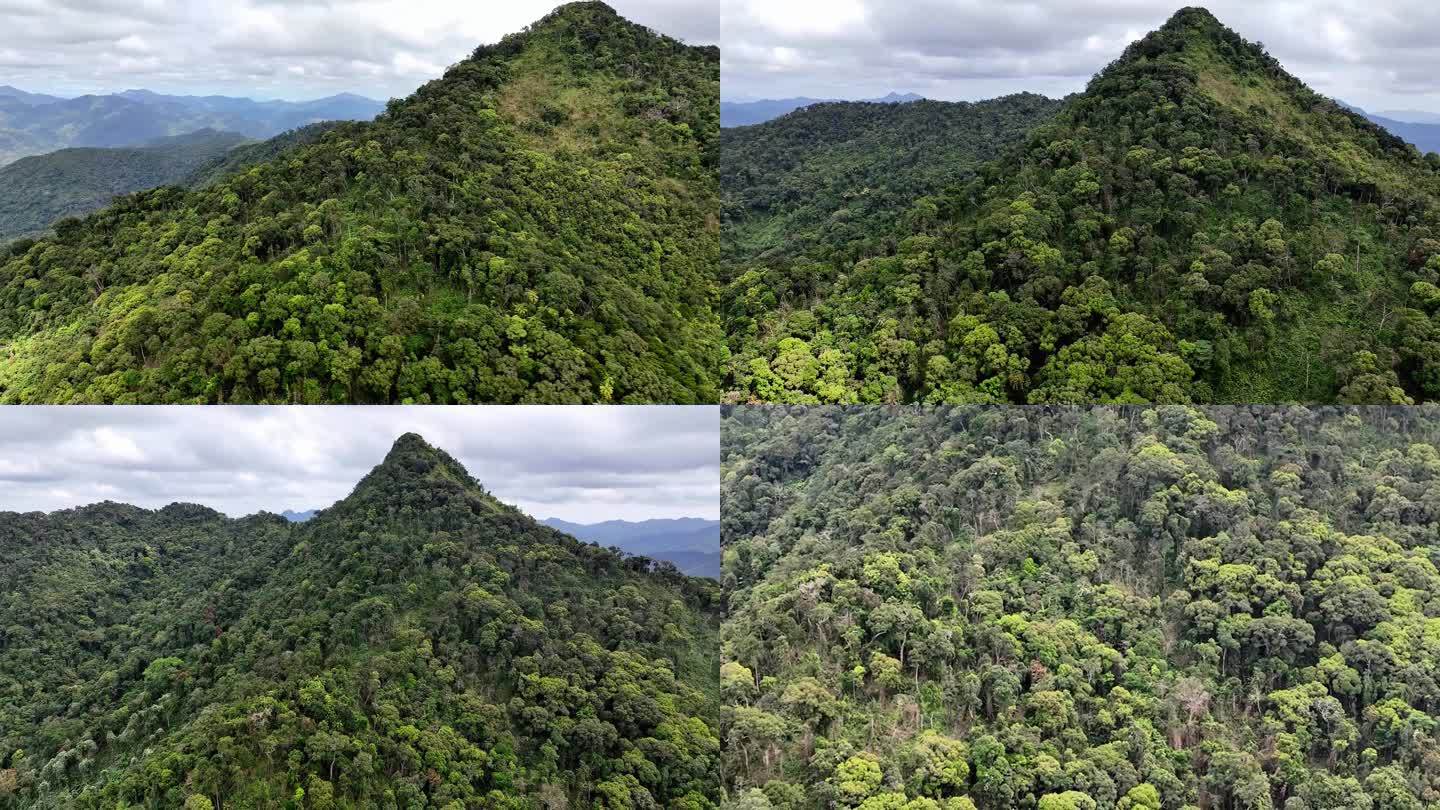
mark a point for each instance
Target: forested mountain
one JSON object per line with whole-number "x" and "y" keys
{"x": 832, "y": 182}
{"x": 539, "y": 225}
{"x": 35, "y": 124}
{"x": 36, "y": 191}
{"x": 1081, "y": 608}
{"x": 692, "y": 544}
{"x": 1198, "y": 225}
{"x": 418, "y": 644}
{"x": 747, "y": 113}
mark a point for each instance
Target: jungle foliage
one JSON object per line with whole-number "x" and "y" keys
{"x": 1108, "y": 608}
{"x": 416, "y": 645}
{"x": 1198, "y": 225}
{"x": 538, "y": 225}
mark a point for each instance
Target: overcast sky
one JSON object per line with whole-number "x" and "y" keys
{"x": 1379, "y": 54}
{"x": 292, "y": 49}
{"x": 585, "y": 464}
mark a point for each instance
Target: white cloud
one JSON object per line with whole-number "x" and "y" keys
{"x": 276, "y": 48}
{"x": 1379, "y": 54}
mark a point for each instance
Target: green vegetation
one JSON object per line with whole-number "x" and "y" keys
{"x": 251, "y": 154}
{"x": 1081, "y": 608}
{"x": 417, "y": 645}
{"x": 1197, "y": 226}
{"x": 36, "y": 191}
{"x": 831, "y": 183}
{"x": 537, "y": 226}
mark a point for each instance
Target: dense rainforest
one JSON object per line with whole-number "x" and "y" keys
{"x": 416, "y": 645}
{"x": 538, "y": 225}
{"x": 949, "y": 608}
{"x": 1198, "y": 225}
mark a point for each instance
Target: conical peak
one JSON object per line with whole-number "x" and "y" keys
{"x": 1194, "y": 39}
{"x": 412, "y": 455}
{"x": 1194, "y": 18}
{"x": 410, "y": 443}
{"x": 584, "y": 7}
{"x": 585, "y": 15}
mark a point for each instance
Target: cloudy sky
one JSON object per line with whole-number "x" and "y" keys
{"x": 583, "y": 464}
{"x": 1379, "y": 54}
{"x": 291, "y": 49}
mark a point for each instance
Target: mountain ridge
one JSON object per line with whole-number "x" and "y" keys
{"x": 1198, "y": 225}
{"x": 417, "y": 641}
{"x": 131, "y": 118}
{"x": 749, "y": 113}
{"x": 534, "y": 226}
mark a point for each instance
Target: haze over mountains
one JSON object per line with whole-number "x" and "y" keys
{"x": 35, "y": 124}
{"x": 693, "y": 544}
{"x": 747, "y": 113}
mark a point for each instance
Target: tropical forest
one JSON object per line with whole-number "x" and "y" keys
{"x": 1111, "y": 608}
{"x": 417, "y": 645}
{"x": 1197, "y": 226}
{"x": 537, "y": 225}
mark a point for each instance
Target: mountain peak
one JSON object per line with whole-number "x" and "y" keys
{"x": 584, "y": 9}
{"x": 1195, "y": 41}
{"x": 413, "y": 463}
{"x": 1192, "y": 18}
{"x": 411, "y": 450}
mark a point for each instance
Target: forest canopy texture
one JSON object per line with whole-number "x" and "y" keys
{"x": 1198, "y": 225}
{"x": 1081, "y": 609}
{"x": 539, "y": 225}
{"x": 416, "y": 645}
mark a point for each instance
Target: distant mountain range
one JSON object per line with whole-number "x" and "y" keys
{"x": 298, "y": 517}
{"x": 36, "y": 124}
{"x": 1425, "y": 136}
{"x": 693, "y": 544}
{"x": 747, "y": 113}
{"x": 1411, "y": 116}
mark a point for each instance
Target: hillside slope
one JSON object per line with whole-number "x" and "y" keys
{"x": 36, "y": 191}
{"x": 1082, "y": 609}
{"x": 1197, "y": 225}
{"x": 538, "y": 225}
{"x": 832, "y": 182}
{"x": 418, "y": 644}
